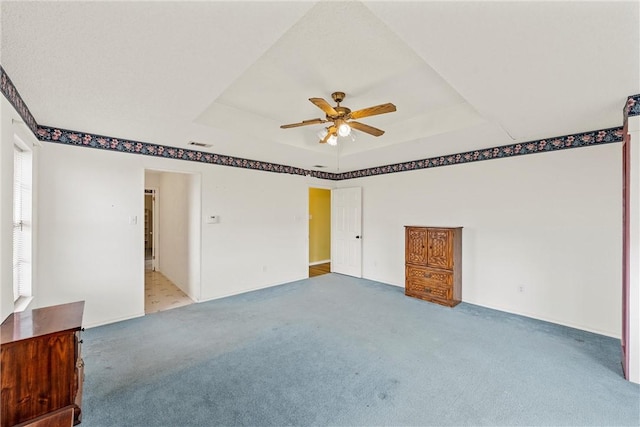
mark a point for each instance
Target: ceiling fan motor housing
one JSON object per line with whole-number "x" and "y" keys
{"x": 343, "y": 112}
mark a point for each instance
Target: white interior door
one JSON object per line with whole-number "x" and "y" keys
{"x": 346, "y": 227}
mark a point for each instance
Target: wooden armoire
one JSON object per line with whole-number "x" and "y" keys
{"x": 433, "y": 264}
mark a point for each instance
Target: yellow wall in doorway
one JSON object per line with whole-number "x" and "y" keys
{"x": 319, "y": 225}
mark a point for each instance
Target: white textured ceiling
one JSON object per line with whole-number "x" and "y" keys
{"x": 463, "y": 75}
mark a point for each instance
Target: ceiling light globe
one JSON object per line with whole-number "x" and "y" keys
{"x": 333, "y": 140}
{"x": 344, "y": 129}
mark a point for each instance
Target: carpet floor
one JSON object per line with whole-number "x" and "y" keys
{"x": 335, "y": 350}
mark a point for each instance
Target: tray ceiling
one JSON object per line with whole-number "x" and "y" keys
{"x": 463, "y": 75}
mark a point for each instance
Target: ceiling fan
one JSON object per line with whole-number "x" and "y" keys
{"x": 342, "y": 118}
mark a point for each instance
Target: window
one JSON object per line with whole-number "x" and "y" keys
{"x": 22, "y": 223}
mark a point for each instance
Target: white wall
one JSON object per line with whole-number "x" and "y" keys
{"x": 179, "y": 230}
{"x": 152, "y": 179}
{"x": 194, "y": 233}
{"x": 261, "y": 239}
{"x": 89, "y": 251}
{"x": 89, "y": 248}
{"x": 173, "y": 210}
{"x": 548, "y": 222}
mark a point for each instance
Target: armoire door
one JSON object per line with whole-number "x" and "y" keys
{"x": 416, "y": 250}
{"x": 439, "y": 248}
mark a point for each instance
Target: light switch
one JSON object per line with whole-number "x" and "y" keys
{"x": 213, "y": 219}
{"x": 133, "y": 220}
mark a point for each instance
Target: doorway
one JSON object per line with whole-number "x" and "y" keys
{"x": 150, "y": 215}
{"x": 172, "y": 205}
{"x": 319, "y": 231}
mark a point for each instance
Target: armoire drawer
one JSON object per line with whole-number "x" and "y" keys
{"x": 429, "y": 277}
{"x": 415, "y": 288}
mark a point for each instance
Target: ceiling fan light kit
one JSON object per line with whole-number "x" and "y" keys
{"x": 344, "y": 129}
{"x": 342, "y": 118}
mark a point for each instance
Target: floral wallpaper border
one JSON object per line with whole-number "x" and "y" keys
{"x": 70, "y": 137}
{"x": 10, "y": 92}
{"x": 63, "y": 136}
{"x": 632, "y": 107}
{"x": 83, "y": 139}
{"x": 586, "y": 139}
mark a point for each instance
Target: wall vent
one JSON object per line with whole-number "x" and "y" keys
{"x": 319, "y": 166}
{"x": 199, "y": 144}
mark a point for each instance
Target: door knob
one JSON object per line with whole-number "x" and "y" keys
{"x": 357, "y": 237}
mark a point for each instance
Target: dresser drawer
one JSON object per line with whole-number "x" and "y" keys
{"x": 429, "y": 277}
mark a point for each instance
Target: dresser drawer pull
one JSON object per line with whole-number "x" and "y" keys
{"x": 427, "y": 275}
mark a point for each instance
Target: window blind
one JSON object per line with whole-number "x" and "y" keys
{"x": 21, "y": 224}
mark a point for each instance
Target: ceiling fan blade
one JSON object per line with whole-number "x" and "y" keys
{"x": 366, "y": 128}
{"x": 373, "y": 111}
{"x": 331, "y": 131}
{"x": 324, "y": 106}
{"x": 304, "y": 123}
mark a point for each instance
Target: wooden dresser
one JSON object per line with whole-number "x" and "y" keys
{"x": 41, "y": 369}
{"x": 433, "y": 264}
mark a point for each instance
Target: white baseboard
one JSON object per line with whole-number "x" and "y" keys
{"x": 251, "y": 290}
{"x": 545, "y": 319}
{"x": 319, "y": 262}
{"x": 93, "y": 325}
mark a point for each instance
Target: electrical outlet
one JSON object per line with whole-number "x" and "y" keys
{"x": 521, "y": 288}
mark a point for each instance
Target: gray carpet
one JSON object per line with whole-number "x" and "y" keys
{"x": 335, "y": 350}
